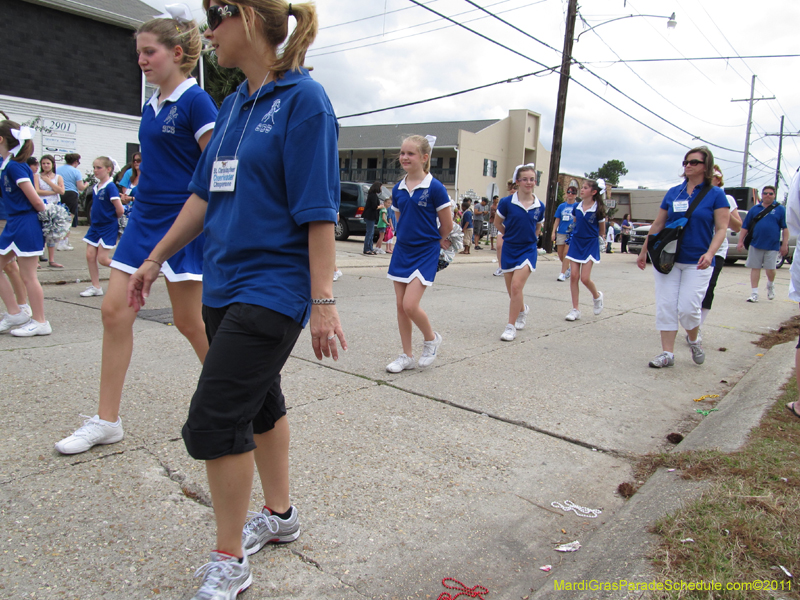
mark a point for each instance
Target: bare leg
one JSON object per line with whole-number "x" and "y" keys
{"x": 574, "y": 281}
{"x": 91, "y": 261}
{"x": 411, "y": 301}
{"x": 12, "y": 270}
{"x": 499, "y": 247}
{"x": 586, "y": 279}
{"x": 515, "y": 284}
{"x": 230, "y": 480}
{"x": 187, "y": 303}
{"x": 404, "y": 323}
{"x": 6, "y": 289}
{"x": 668, "y": 340}
{"x": 27, "y": 270}
{"x": 118, "y": 320}
{"x": 103, "y": 258}
{"x": 692, "y": 333}
{"x": 755, "y": 275}
{"x": 770, "y": 275}
{"x": 272, "y": 460}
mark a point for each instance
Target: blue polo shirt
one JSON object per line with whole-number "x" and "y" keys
{"x": 14, "y": 199}
{"x": 103, "y": 210}
{"x": 168, "y": 136}
{"x": 466, "y": 220}
{"x": 71, "y": 177}
{"x": 700, "y": 229}
{"x": 520, "y": 222}
{"x": 767, "y": 232}
{"x": 419, "y": 209}
{"x": 256, "y": 248}
{"x": 564, "y": 212}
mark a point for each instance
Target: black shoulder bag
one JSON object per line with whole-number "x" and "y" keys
{"x": 663, "y": 246}
{"x": 749, "y": 237}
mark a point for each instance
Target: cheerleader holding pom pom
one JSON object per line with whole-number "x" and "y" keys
{"x": 589, "y": 224}
{"x": 424, "y": 222}
{"x": 22, "y": 237}
{"x": 519, "y": 218}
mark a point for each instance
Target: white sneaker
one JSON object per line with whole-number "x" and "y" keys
{"x": 224, "y": 577}
{"x": 561, "y": 277}
{"x": 509, "y": 333}
{"x": 401, "y": 363}
{"x": 573, "y": 315}
{"x": 94, "y": 431}
{"x": 753, "y": 297}
{"x": 9, "y": 322}
{"x": 380, "y": 251}
{"x": 568, "y": 272}
{"x": 498, "y": 272}
{"x": 91, "y": 291}
{"x": 26, "y": 308}
{"x": 771, "y": 292}
{"x": 429, "y": 350}
{"x": 520, "y": 322}
{"x": 598, "y": 304}
{"x": 32, "y": 328}
{"x": 336, "y": 275}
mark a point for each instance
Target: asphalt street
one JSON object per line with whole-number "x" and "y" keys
{"x": 401, "y": 479}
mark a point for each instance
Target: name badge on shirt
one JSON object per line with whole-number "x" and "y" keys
{"x": 680, "y": 206}
{"x": 223, "y": 175}
{"x": 566, "y": 217}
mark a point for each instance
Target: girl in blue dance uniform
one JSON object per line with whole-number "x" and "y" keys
{"x": 423, "y": 226}
{"x": 589, "y": 216}
{"x": 22, "y": 235}
{"x": 176, "y": 125}
{"x": 102, "y": 235}
{"x": 519, "y": 217}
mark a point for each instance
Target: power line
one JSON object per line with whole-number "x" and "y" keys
{"x": 684, "y": 58}
{"x": 372, "y": 16}
{"x": 514, "y": 27}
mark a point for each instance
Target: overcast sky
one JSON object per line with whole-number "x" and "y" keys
{"x": 406, "y": 53}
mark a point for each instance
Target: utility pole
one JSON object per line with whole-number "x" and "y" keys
{"x": 780, "y": 135}
{"x": 558, "y": 127}
{"x": 751, "y": 100}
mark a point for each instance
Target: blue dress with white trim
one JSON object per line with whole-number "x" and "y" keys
{"x": 104, "y": 229}
{"x": 23, "y": 231}
{"x": 585, "y": 243}
{"x": 519, "y": 240}
{"x": 416, "y": 253}
{"x": 169, "y": 136}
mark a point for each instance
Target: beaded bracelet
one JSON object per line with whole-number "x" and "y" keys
{"x": 323, "y": 301}
{"x": 153, "y": 260}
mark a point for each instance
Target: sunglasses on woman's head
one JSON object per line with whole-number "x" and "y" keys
{"x": 693, "y": 162}
{"x": 215, "y": 15}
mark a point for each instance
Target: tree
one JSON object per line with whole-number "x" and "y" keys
{"x": 610, "y": 172}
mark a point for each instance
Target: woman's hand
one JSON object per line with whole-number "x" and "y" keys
{"x": 325, "y": 328}
{"x": 445, "y": 244}
{"x": 705, "y": 261}
{"x": 641, "y": 260}
{"x": 140, "y": 282}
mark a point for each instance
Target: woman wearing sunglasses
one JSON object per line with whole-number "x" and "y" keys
{"x": 679, "y": 294}
{"x": 271, "y": 166}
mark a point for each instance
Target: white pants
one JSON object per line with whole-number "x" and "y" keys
{"x": 679, "y": 296}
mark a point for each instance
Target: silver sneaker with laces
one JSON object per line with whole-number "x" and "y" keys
{"x": 224, "y": 577}
{"x": 662, "y": 360}
{"x": 771, "y": 292}
{"x": 753, "y": 297}
{"x": 264, "y": 528}
{"x": 520, "y": 322}
{"x": 429, "y": 350}
{"x": 698, "y": 356}
{"x": 91, "y": 433}
{"x": 401, "y": 363}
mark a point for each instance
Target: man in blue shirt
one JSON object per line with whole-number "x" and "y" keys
{"x": 73, "y": 185}
{"x": 769, "y": 236}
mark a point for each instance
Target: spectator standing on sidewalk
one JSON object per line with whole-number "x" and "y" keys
{"x": 370, "y": 216}
{"x": 561, "y": 230}
{"x": 478, "y": 213}
{"x": 766, "y": 224}
{"x": 73, "y": 185}
{"x": 793, "y": 223}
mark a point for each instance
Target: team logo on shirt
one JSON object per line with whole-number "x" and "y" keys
{"x": 170, "y": 121}
{"x": 7, "y": 184}
{"x": 423, "y": 199}
{"x": 268, "y": 120}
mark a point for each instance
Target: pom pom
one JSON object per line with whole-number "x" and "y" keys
{"x": 55, "y": 220}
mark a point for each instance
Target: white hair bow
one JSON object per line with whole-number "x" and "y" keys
{"x": 21, "y": 134}
{"x": 179, "y": 12}
{"x": 529, "y": 165}
{"x": 115, "y": 163}
{"x": 431, "y": 140}
{"x": 602, "y": 185}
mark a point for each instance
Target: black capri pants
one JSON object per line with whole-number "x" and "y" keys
{"x": 70, "y": 200}
{"x": 719, "y": 262}
{"x": 239, "y": 390}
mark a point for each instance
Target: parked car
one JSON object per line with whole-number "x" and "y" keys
{"x": 351, "y": 207}
{"x": 639, "y": 235}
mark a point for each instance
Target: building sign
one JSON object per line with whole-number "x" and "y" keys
{"x": 60, "y": 126}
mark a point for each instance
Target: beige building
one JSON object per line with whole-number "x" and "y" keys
{"x": 474, "y": 158}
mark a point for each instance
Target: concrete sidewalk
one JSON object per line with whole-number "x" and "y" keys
{"x": 400, "y": 480}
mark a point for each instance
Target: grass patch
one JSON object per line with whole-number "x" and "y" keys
{"x": 747, "y": 524}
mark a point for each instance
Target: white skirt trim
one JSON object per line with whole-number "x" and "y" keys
{"x": 171, "y": 276}
{"x": 415, "y": 275}
{"x": 525, "y": 263}
{"x": 585, "y": 260}
{"x": 97, "y": 244}
{"x": 13, "y": 248}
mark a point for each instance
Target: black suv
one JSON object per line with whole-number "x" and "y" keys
{"x": 351, "y": 207}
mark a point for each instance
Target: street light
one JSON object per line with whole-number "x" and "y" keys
{"x": 561, "y": 105}
{"x": 671, "y": 22}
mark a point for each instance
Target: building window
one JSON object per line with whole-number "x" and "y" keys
{"x": 489, "y": 168}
